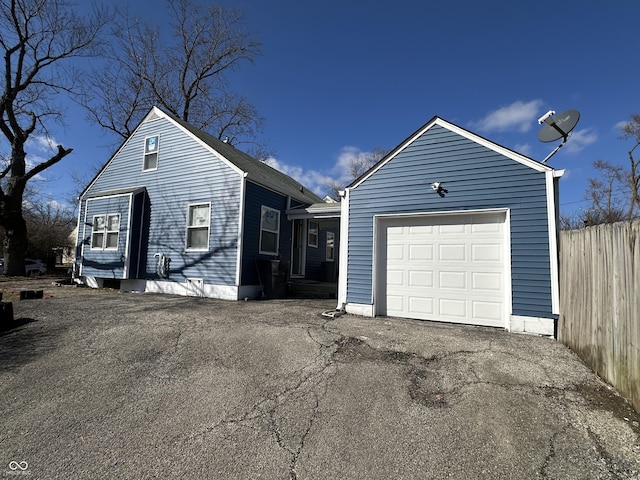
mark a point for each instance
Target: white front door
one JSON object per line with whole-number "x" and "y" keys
{"x": 446, "y": 268}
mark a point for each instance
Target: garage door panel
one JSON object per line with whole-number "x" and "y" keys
{"x": 455, "y": 280}
{"x": 453, "y": 229}
{"x": 486, "y": 253}
{"x": 448, "y": 268}
{"x": 481, "y": 228}
{"x": 486, "y": 281}
{"x": 395, "y": 252}
{"x": 420, "y": 252}
{"x": 452, "y": 309}
{"x": 452, "y": 253}
{"x": 421, "y": 306}
{"x": 398, "y": 231}
{"x": 395, "y": 303}
{"x": 421, "y": 279}
{"x": 421, "y": 230}
{"x": 489, "y": 311}
{"x": 395, "y": 277}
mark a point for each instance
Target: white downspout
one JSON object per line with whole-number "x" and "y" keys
{"x": 344, "y": 250}
{"x": 552, "y": 212}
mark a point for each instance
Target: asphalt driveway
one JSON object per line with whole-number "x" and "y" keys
{"x": 101, "y": 384}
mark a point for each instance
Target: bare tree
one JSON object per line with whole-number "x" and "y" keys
{"x": 37, "y": 39}
{"x": 631, "y": 130}
{"x": 49, "y": 225}
{"x": 615, "y": 192}
{"x": 358, "y": 166}
{"x": 570, "y": 221}
{"x": 608, "y": 194}
{"x": 184, "y": 71}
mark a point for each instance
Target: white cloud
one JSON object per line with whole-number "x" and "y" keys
{"x": 618, "y": 126}
{"x": 518, "y": 116}
{"x": 41, "y": 143}
{"x": 579, "y": 139}
{"x": 347, "y": 156}
{"x": 39, "y": 149}
{"x": 524, "y": 149}
{"x": 312, "y": 179}
{"x": 316, "y": 180}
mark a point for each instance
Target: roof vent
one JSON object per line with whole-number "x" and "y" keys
{"x": 226, "y": 140}
{"x": 301, "y": 189}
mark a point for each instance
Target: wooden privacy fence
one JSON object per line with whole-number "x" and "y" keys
{"x": 600, "y": 302}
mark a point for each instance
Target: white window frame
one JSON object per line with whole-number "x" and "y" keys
{"x": 315, "y": 232}
{"x": 264, "y": 209}
{"x": 332, "y": 257}
{"x": 105, "y": 232}
{"x": 190, "y": 228}
{"x": 146, "y": 154}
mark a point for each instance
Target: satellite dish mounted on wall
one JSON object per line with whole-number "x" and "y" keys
{"x": 557, "y": 127}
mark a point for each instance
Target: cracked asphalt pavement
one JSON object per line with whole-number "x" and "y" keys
{"x": 102, "y": 384}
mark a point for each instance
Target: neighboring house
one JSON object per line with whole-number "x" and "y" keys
{"x": 65, "y": 254}
{"x": 480, "y": 248}
{"x": 176, "y": 210}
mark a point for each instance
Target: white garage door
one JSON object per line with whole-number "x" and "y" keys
{"x": 445, "y": 268}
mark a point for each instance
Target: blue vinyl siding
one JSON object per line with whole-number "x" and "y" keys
{"x": 255, "y": 197}
{"x": 106, "y": 263}
{"x": 476, "y": 178}
{"x": 187, "y": 173}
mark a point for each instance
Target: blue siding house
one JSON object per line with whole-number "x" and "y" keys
{"x": 176, "y": 210}
{"x": 452, "y": 227}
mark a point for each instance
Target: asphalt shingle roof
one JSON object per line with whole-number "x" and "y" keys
{"x": 257, "y": 171}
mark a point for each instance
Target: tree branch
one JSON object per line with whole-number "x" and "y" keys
{"x": 44, "y": 165}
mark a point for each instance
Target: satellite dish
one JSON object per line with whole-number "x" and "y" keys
{"x": 557, "y": 127}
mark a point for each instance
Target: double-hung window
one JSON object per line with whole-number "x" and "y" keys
{"x": 331, "y": 246}
{"x": 269, "y": 230}
{"x": 198, "y": 224}
{"x": 151, "y": 145}
{"x": 312, "y": 239}
{"x": 105, "y": 233}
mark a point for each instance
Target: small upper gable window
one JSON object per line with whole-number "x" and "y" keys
{"x": 151, "y": 145}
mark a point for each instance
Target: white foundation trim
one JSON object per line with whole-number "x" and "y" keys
{"x": 192, "y": 287}
{"x": 535, "y": 325}
{"x": 361, "y": 309}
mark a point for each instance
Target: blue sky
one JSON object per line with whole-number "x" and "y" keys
{"x": 338, "y": 78}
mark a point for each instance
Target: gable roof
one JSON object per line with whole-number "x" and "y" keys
{"x": 256, "y": 171}
{"x": 518, "y": 157}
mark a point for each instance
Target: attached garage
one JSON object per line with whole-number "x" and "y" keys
{"x": 452, "y": 227}
{"x": 444, "y": 267}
